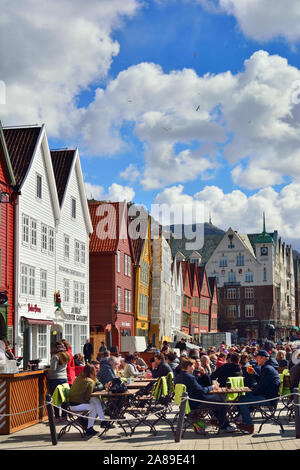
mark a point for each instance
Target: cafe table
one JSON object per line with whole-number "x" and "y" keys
{"x": 233, "y": 410}
{"x": 225, "y": 390}
{"x": 116, "y": 405}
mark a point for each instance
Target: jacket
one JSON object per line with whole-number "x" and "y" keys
{"x": 269, "y": 381}
{"x": 71, "y": 368}
{"x": 162, "y": 370}
{"x": 57, "y": 371}
{"x": 81, "y": 390}
{"x": 130, "y": 370}
{"x": 88, "y": 349}
{"x": 106, "y": 373}
{"x": 227, "y": 370}
{"x": 193, "y": 388}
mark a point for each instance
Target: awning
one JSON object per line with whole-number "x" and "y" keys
{"x": 182, "y": 334}
{"x": 38, "y": 321}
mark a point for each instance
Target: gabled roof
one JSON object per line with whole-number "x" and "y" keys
{"x": 5, "y": 160}
{"x": 21, "y": 143}
{"x": 212, "y": 284}
{"x": 194, "y": 276}
{"x": 201, "y": 276}
{"x": 185, "y": 266}
{"x": 62, "y": 161}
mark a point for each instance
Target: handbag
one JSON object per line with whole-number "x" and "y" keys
{"x": 118, "y": 386}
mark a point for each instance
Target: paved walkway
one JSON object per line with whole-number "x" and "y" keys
{"x": 38, "y": 437}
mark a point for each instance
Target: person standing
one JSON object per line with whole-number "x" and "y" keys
{"x": 88, "y": 351}
{"x": 57, "y": 374}
{"x": 71, "y": 364}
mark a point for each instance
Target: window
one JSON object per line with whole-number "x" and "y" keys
{"x": 231, "y": 277}
{"x": 203, "y": 320}
{"x": 127, "y": 300}
{"x": 249, "y": 276}
{"x": 127, "y": 265}
{"x": 33, "y": 234}
{"x": 66, "y": 247}
{"x": 76, "y": 292}
{"x": 42, "y": 341}
{"x": 240, "y": 260}
{"x": 73, "y": 208}
{"x": 265, "y": 274}
{"x": 231, "y": 311}
{"x": 82, "y": 293}
{"x": 68, "y": 335}
{"x": 51, "y": 240}
{"x": 143, "y": 305}
{"x": 249, "y": 311}
{"x": 249, "y": 293}
{"x": 82, "y": 336}
{"x": 39, "y": 186}
{"x": 43, "y": 284}
{"x": 27, "y": 280}
{"x": 119, "y": 260}
{"x": 44, "y": 237}
{"x": 31, "y": 280}
{"x": 77, "y": 252}
{"x": 82, "y": 253}
{"x": 231, "y": 294}
{"x": 119, "y": 298}
{"x": 24, "y": 279}
{"x": 25, "y": 235}
{"x": 66, "y": 290}
{"x": 223, "y": 262}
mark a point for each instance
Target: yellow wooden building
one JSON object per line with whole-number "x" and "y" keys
{"x": 143, "y": 283}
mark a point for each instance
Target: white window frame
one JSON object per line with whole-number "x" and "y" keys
{"x": 119, "y": 261}
{"x": 82, "y": 293}
{"x": 82, "y": 253}
{"x": 42, "y": 340}
{"x": 66, "y": 247}
{"x": 51, "y": 236}
{"x": 249, "y": 311}
{"x": 77, "y": 252}
{"x": 76, "y": 292}
{"x": 33, "y": 233}
{"x": 119, "y": 297}
{"x": 44, "y": 284}
{"x": 73, "y": 208}
{"x": 38, "y": 188}
{"x": 66, "y": 290}
{"x": 25, "y": 229}
{"x": 44, "y": 236}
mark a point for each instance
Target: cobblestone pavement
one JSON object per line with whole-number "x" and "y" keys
{"x": 37, "y": 437}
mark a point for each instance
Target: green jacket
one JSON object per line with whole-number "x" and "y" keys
{"x": 81, "y": 390}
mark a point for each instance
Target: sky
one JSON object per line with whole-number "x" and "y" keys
{"x": 178, "y": 102}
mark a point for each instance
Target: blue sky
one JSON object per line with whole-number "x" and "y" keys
{"x": 130, "y": 103}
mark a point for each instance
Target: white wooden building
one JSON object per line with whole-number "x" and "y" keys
{"x": 40, "y": 220}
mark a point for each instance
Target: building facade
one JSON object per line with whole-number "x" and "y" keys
{"x": 255, "y": 280}
{"x": 111, "y": 274}
{"x": 72, "y": 252}
{"x": 8, "y": 200}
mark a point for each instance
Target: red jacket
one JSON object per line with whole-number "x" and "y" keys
{"x": 71, "y": 368}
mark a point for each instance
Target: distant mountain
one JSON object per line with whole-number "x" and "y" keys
{"x": 212, "y": 237}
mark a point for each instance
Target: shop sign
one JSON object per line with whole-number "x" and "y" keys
{"x": 125, "y": 324}
{"x": 34, "y": 308}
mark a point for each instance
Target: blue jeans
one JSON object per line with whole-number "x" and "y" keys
{"x": 246, "y": 409}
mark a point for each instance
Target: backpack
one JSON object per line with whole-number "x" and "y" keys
{"x": 117, "y": 386}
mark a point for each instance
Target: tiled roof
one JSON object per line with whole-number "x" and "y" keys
{"x": 62, "y": 162}
{"x": 21, "y": 143}
{"x": 101, "y": 244}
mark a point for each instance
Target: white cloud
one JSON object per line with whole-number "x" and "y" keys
{"x": 131, "y": 173}
{"x": 183, "y": 120}
{"x": 51, "y": 51}
{"x": 243, "y": 213}
{"x": 263, "y": 20}
{"x": 116, "y": 192}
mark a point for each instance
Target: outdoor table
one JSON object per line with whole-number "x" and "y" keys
{"x": 116, "y": 411}
{"x": 137, "y": 384}
{"x": 224, "y": 390}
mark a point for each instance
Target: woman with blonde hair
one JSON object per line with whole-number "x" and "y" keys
{"x": 81, "y": 400}
{"x": 205, "y": 363}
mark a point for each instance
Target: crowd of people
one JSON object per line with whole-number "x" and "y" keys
{"x": 201, "y": 371}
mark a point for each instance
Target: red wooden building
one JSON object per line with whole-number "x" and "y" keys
{"x": 204, "y": 300}
{"x": 187, "y": 296}
{"x": 195, "y": 302}
{"x": 111, "y": 274}
{"x": 8, "y": 197}
{"x": 213, "y": 313}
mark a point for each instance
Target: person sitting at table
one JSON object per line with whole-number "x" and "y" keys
{"x": 139, "y": 362}
{"x": 80, "y": 398}
{"x": 78, "y": 359}
{"x": 173, "y": 361}
{"x": 203, "y": 378}
{"x": 267, "y": 388}
{"x": 197, "y": 392}
{"x": 221, "y": 359}
{"x": 108, "y": 370}
{"x": 205, "y": 363}
{"x": 250, "y": 379}
{"x": 130, "y": 369}
{"x": 229, "y": 369}
{"x": 98, "y": 385}
{"x": 160, "y": 367}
